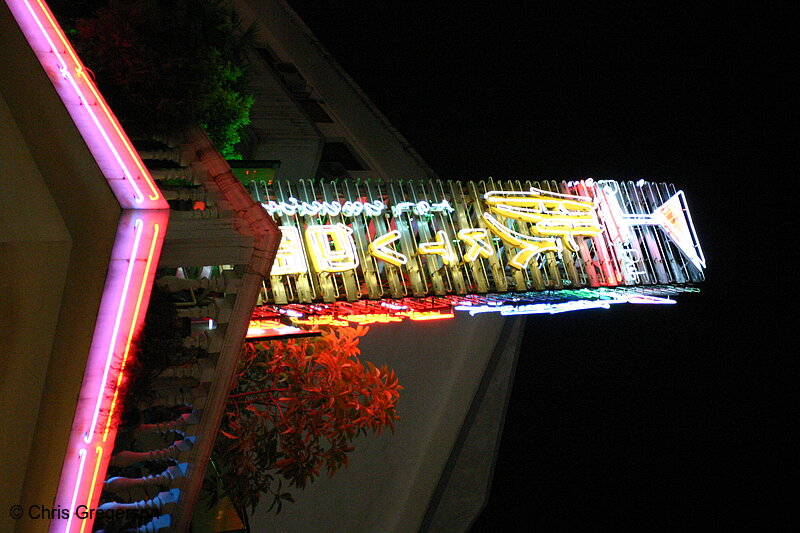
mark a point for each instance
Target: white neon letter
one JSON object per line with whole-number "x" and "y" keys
{"x": 441, "y": 246}
{"x": 478, "y": 241}
{"x": 290, "y": 258}
{"x": 332, "y": 247}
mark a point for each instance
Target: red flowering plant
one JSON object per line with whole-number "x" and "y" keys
{"x": 296, "y": 409}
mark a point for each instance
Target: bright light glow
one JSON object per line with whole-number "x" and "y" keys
{"x": 335, "y": 209}
{"x": 605, "y": 300}
{"x": 376, "y": 318}
{"x": 132, "y": 328}
{"x": 422, "y": 208}
{"x": 529, "y": 246}
{"x": 78, "y": 476}
{"x": 366, "y": 318}
{"x": 477, "y": 309}
{"x": 441, "y": 247}
{"x": 274, "y": 332}
{"x": 130, "y": 273}
{"x": 138, "y": 244}
{"x": 674, "y": 218}
{"x": 289, "y": 258}
{"x": 427, "y": 315}
{"x": 644, "y": 299}
{"x": 380, "y": 248}
{"x": 554, "y": 219}
{"x": 97, "y": 462}
{"x": 99, "y": 127}
{"x": 443, "y": 307}
{"x": 113, "y": 342}
{"x": 258, "y": 327}
{"x": 541, "y": 308}
{"x": 552, "y": 309}
{"x": 324, "y": 320}
{"x": 584, "y": 233}
{"x": 478, "y": 241}
{"x": 332, "y": 248}
{"x": 265, "y": 323}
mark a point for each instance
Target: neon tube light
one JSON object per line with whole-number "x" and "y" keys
{"x": 672, "y": 216}
{"x": 441, "y": 246}
{"x": 132, "y": 329}
{"x": 98, "y": 126}
{"x": 97, "y": 461}
{"x": 462, "y": 240}
{"x": 82, "y": 463}
{"x": 427, "y": 315}
{"x": 112, "y": 343}
{"x": 304, "y": 209}
{"x": 600, "y": 300}
{"x": 332, "y": 247}
{"x": 129, "y": 279}
{"x": 122, "y": 307}
{"x": 478, "y": 241}
{"x": 380, "y": 248}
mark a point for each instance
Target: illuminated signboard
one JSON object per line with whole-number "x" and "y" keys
{"x": 350, "y": 241}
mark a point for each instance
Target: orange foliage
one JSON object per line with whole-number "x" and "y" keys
{"x": 312, "y": 396}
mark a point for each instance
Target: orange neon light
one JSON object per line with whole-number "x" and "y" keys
{"x": 377, "y": 318}
{"x": 371, "y": 318}
{"x": 129, "y": 340}
{"x": 265, "y": 324}
{"x": 258, "y": 327}
{"x": 99, "y": 452}
{"x": 319, "y": 320}
{"x": 426, "y": 315}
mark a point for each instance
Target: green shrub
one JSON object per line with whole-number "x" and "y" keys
{"x": 165, "y": 65}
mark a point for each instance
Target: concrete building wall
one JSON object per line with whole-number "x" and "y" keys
{"x": 392, "y": 478}
{"x": 279, "y": 129}
{"x": 355, "y": 120}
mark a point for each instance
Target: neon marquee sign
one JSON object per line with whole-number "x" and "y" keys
{"x": 348, "y": 241}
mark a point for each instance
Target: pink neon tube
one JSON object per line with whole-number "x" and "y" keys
{"x": 131, "y": 270}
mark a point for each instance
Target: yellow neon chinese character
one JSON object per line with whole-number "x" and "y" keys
{"x": 441, "y": 246}
{"x": 555, "y": 220}
{"x": 380, "y": 248}
{"x": 478, "y": 241}
{"x": 290, "y": 258}
{"x": 332, "y": 247}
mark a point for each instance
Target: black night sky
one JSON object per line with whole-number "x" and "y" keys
{"x": 655, "y": 417}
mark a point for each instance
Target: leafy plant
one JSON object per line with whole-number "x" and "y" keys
{"x": 295, "y": 410}
{"x": 165, "y": 65}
